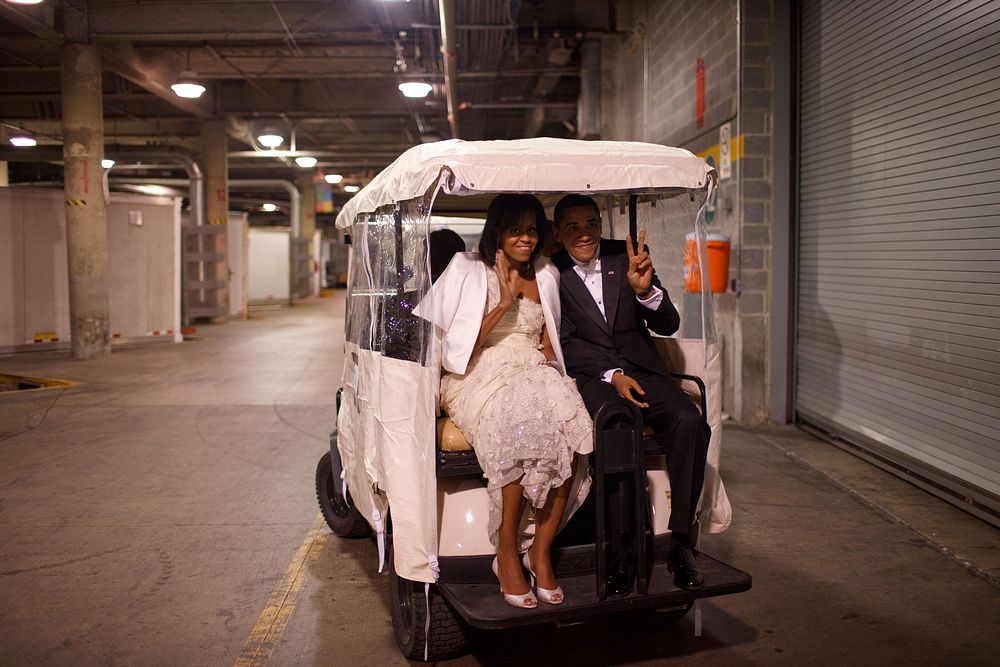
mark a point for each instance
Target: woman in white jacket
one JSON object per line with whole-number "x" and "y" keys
{"x": 505, "y": 388}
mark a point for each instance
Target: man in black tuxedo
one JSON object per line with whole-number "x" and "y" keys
{"x": 610, "y": 297}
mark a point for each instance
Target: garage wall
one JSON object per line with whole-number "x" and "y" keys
{"x": 650, "y": 94}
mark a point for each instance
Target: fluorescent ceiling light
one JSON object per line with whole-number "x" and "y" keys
{"x": 188, "y": 86}
{"x": 25, "y": 2}
{"x": 415, "y": 88}
{"x": 157, "y": 190}
{"x": 107, "y": 164}
{"x": 305, "y": 161}
{"x": 351, "y": 188}
{"x": 270, "y": 140}
{"x": 23, "y": 140}
{"x": 269, "y": 207}
{"x": 333, "y": 179}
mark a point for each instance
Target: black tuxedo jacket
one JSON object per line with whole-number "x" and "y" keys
{"x": 592, "y": 344}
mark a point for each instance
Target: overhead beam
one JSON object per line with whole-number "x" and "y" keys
{"x": 29, "y": 23}
{"x": 231, "y": 37}
{"x": 391, "y": 154}
{"x": 121, "y": 60}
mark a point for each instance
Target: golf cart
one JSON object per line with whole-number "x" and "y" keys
{"x": 399, "y": 469}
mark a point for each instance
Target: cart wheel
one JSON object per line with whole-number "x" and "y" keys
{"x": 340, "y": 514}
{"x": 409, "y": 615}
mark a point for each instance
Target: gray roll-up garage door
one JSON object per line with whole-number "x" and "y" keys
{"x": 898, "y": 333}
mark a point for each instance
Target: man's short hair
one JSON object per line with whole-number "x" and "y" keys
{"x": 574, "y": 201}
{"x": 444, "y": 244}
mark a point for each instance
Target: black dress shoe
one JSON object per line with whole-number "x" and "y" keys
{"x": 621, "y": 573}
{"x": 681, "y": 562}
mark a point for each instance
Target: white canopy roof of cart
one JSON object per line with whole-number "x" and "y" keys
{"x": 529, "y": 165}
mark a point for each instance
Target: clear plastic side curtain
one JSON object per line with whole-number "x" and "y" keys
{"x": 676, "y": 236}
{"x": 388, "y": 409}
{"x": 675, "y": 233}
{"x": 388, "y": 277}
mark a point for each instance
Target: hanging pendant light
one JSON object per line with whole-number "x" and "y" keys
{"x": 270, "y": 140}
{"x": 415, "y": 88}
{"x": 187, "y": 85}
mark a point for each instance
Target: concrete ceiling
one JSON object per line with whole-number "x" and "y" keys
{"x": 326, "y": 70}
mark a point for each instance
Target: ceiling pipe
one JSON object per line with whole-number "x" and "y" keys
{"x": 293, "y": 195}
{"x": 168, "y": 154}
{"x": 249, "y": 183}
{"x": 343, "y": 154}
{"x": 446, "y": 9}
{"x": 178, "y": 156}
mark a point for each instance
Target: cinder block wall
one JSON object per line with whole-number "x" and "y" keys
{"x": 650, "y": 94}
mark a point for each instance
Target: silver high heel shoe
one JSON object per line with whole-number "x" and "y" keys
{"x": 546, "y": 595}
{"x": 526, "y": 601}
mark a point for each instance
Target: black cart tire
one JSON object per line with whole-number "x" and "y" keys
{"x": 340, "y": 513}
{"x": 671, "y": 614}
{"x": 409, "y": 615}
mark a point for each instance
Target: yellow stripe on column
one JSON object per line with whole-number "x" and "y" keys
{"x": 735, "y": 150}
{"x": 76, "y": 202}
{"x": 273, "y": 620}
{"x": 216, "y": 221}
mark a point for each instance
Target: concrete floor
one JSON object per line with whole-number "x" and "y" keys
{"x": 162, "y": 512}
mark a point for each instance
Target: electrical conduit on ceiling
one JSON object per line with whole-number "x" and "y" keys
{"x": 293, "y": 193}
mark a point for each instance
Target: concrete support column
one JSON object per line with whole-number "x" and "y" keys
{"x": 214, "y": 145}
{"x": 307, "y": 189}
{"x": 86, "y": 219}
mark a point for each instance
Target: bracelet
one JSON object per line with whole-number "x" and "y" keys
{"x": 644, "y": 294}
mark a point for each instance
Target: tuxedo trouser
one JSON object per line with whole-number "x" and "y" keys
{"x": 679, "y": 428}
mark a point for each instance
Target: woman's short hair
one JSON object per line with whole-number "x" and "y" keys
{"x": 505, "y": 213}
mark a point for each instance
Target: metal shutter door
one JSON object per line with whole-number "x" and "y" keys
{"x": 898, "y": 332}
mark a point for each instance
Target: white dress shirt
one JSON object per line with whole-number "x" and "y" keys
{"x": 590, "y": 273}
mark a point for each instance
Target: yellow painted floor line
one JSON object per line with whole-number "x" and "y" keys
{"x": 273, "y": 620}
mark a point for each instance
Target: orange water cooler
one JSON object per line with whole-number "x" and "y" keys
{"x": 717, "y": 253}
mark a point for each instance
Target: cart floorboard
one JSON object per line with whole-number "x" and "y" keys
{"x": 482, "y": 606}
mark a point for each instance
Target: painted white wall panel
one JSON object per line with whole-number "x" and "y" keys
{"x": 269, "y": 265}
{"x": 143, "y": 293}
{"x": 237, "y": 229}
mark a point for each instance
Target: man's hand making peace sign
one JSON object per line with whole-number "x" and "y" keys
{"x": 640, "y": 266}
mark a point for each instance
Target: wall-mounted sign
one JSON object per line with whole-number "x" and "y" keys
{"x": 713, "y": 201}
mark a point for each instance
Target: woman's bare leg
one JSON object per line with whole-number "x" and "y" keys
{"x": 546, "y": 523}
{"x": 509, "y": 565}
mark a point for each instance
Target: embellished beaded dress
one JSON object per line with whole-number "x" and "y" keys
{"x": 524, "y": 419}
